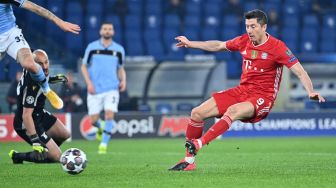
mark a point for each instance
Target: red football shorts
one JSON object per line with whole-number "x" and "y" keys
{"x": 226, "y": 98}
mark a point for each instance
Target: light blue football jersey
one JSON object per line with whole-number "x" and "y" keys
{"x": 7, "y": 18}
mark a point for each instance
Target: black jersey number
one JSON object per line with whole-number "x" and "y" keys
{"x": 19, "y": 38}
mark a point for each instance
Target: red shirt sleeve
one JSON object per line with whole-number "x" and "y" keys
{"x": 235, "y": 44}
{"x": 286, "y": 57}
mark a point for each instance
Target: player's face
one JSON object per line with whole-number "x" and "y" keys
{"x": 43, "y": 60}
{"x": 254, "y": 30}
{"x": 107, "y": 31}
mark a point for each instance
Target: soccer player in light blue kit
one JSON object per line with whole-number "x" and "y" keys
{"x": 105, "y": 76}
{"x": 14, "y": 44}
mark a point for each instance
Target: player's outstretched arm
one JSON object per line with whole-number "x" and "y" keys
{"x": 211, "y": 45}
{"x": 65, "y": 26}
{"x": 299, "y": 71}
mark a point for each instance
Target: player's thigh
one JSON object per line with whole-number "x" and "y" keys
{"x": 43, "y": 122}
{"x": 205, "y": 110}
{"x": 17, "y": 43}
{"x": 111, "y": 101}
{"x": 225, "y": 99}
{"x": 25, "y": 58}
{"x": 95, "y": 104}
{"x": 240, "y": 111}
{"x": 58, "y": 131}
{"x": 46, "y": 120}
{"x": 54, "y": 152}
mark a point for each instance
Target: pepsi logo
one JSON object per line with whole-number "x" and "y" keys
{"x": 86, "y": 129}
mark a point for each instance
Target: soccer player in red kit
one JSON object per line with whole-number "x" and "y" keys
{"x": 263, "y": 59}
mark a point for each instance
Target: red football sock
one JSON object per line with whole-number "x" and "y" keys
{"x": 217, "y": 129}
{"x": 194, "y": 131}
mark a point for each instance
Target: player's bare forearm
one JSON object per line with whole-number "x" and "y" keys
{"x": 298, "y": 70}
{"x": 306, "y": 82}
{"x": 122, "y": 74}
{"x": 122, "y": 78}
{"x": 211, "y": 45}
{"x": 40, "y": 11}
{"x": 85, "y": 74}
{"x": 28, "y": 120}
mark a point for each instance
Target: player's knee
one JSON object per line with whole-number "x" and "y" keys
{"x": 62, "y": 137}
{"x": 25, "y": 58}
{"x": 94, "y": 120}
{"x": 107, "y": 118}
{"x": 29, "y": 64}
{"x": 66, "y": 135}
{"x": 109, "y": 115}
{"x": 196, "y": 114}
{"x": 232, "y": 112}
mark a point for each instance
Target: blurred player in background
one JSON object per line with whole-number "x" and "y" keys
{"x": 13, "y": 42}
{"x": 105, "y": 76}
{"x": 33, "y": 123}
{"x": 263, "y": 59}
{"x": 72, "y": 95}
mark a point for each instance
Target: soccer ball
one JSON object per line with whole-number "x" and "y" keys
{"x": 73, "y": 161}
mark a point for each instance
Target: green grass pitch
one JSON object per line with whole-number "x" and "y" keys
{"x": 231, "y": 162}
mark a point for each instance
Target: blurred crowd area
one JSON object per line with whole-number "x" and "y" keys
{"x": 147, "y": 28}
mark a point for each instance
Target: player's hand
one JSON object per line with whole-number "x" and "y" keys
{"x": 182, "y": 42}
{"x": 59, "y": 78}
{"x": 316, "y": 97}
{"x": 39, "y": 148}
{"x": 69, "y": 27}
{"x": 122, "y": 86}
{"x": 91, "y": 89}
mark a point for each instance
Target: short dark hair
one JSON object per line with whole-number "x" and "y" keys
{"x": 106, "y": 23}
{"x": 256, "y": 13}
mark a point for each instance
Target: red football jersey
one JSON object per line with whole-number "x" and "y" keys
{"x": 262, "y": 64}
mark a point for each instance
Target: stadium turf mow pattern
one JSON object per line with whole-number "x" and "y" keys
{"x": 234, "y": 162}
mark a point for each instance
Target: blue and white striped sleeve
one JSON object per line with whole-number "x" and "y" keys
{"x": 122, "y": 56}
{"x": 86, "y": 55}
{"x": 21, "y": 2}
{"x": 17, "y": 3}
